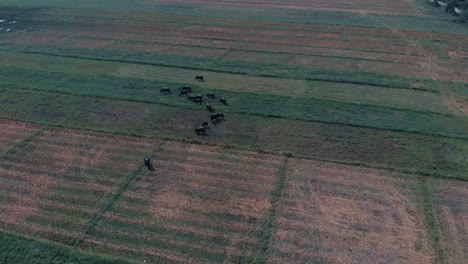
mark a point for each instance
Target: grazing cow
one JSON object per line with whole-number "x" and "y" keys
{"x": 210, "y": 95}
{"x": 199, "y": 78}
{"x": 223, "y": 100}
{"x": 148, "y": 164}
{"x": 165, "y": 90}
{"x": 196, "y": 98}
{"x": 187, "y": 88}
{"x": 183, "y": 92}
{"x": 209, "y": 107}
{"x": 201, "y": 131}
{"x": 205, "y": 124}
{"x": 215, "y": 118}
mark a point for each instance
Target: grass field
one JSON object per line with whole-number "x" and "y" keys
{"x": 345, "y": 137}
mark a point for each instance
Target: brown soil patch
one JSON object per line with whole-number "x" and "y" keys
{"x": 343, "y": 214}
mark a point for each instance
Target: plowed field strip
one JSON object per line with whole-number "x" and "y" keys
{"x": 190, "y": 217}
{"x": 15, "y": 178}
{"x": 132, "y": 18}
{"x": 242, "y": 157}
{"x": 197, "y": 30}
{"x": 64, "y": 134}
{"x": 296, "y": 226}
{"x": 219, "y": 228}
{"x": 398, "y": 9}
{"x": 219, "y": 167}
{"x": 386, "y": 53}
{"x": 41, "y": 231}
{"x": 73, "y": 200}
{"x": 44, "y": 218}
{"x": 72, "y": 210}
{"x": 159, "y": 242}
{"x": 90, "y": 144}
{"x": 215, "y": 173}
{"x": 212, "y": 185}
{"x": 112, "y": 143}
{"x": 203, "y": 234}
{"x": 207, "y": 202}
{"x": 142, "y": 252}
{"x": 215, "y": 51}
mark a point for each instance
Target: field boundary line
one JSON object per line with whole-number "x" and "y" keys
{"x": 399, "y": 130}
{"x": 23, "y": 142}
{"x": 263, "y": 239}
{"x": 245, "y": 147}
{"x": 234, "y": 72}
{"x": 87, "y": 230}
{"x": 424, "y": 191}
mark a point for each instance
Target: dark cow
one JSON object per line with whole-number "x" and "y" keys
{"x": 196, "y": 98}
{"x": 183, "y": 92}
{"x": 187, "y": 88}
{"x": 148, "y": 164}
{"x": 216, "y": 118}
{"x": 210, "y": 95}
{"x": 199, "y": 78}
{"x": 223, "y": 100}
{"x": 201, "y": 131}
{"x": 209, "y": 107}
{"x": 165, "y": 90}
{"x": 205, "y": 124}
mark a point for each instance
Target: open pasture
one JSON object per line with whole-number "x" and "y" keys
{"x": 427, "y": 98}
{"x": 344, "y": 139}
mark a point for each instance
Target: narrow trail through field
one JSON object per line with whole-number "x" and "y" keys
{"x": 89, "y": 227}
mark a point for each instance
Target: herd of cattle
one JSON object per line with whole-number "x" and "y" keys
{"x": 214, "y": 117}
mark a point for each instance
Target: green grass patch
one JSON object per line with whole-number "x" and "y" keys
{"x": 275, "y": 70}
{"x": 266, "y": 105}
{"x": 23, "y": 250}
